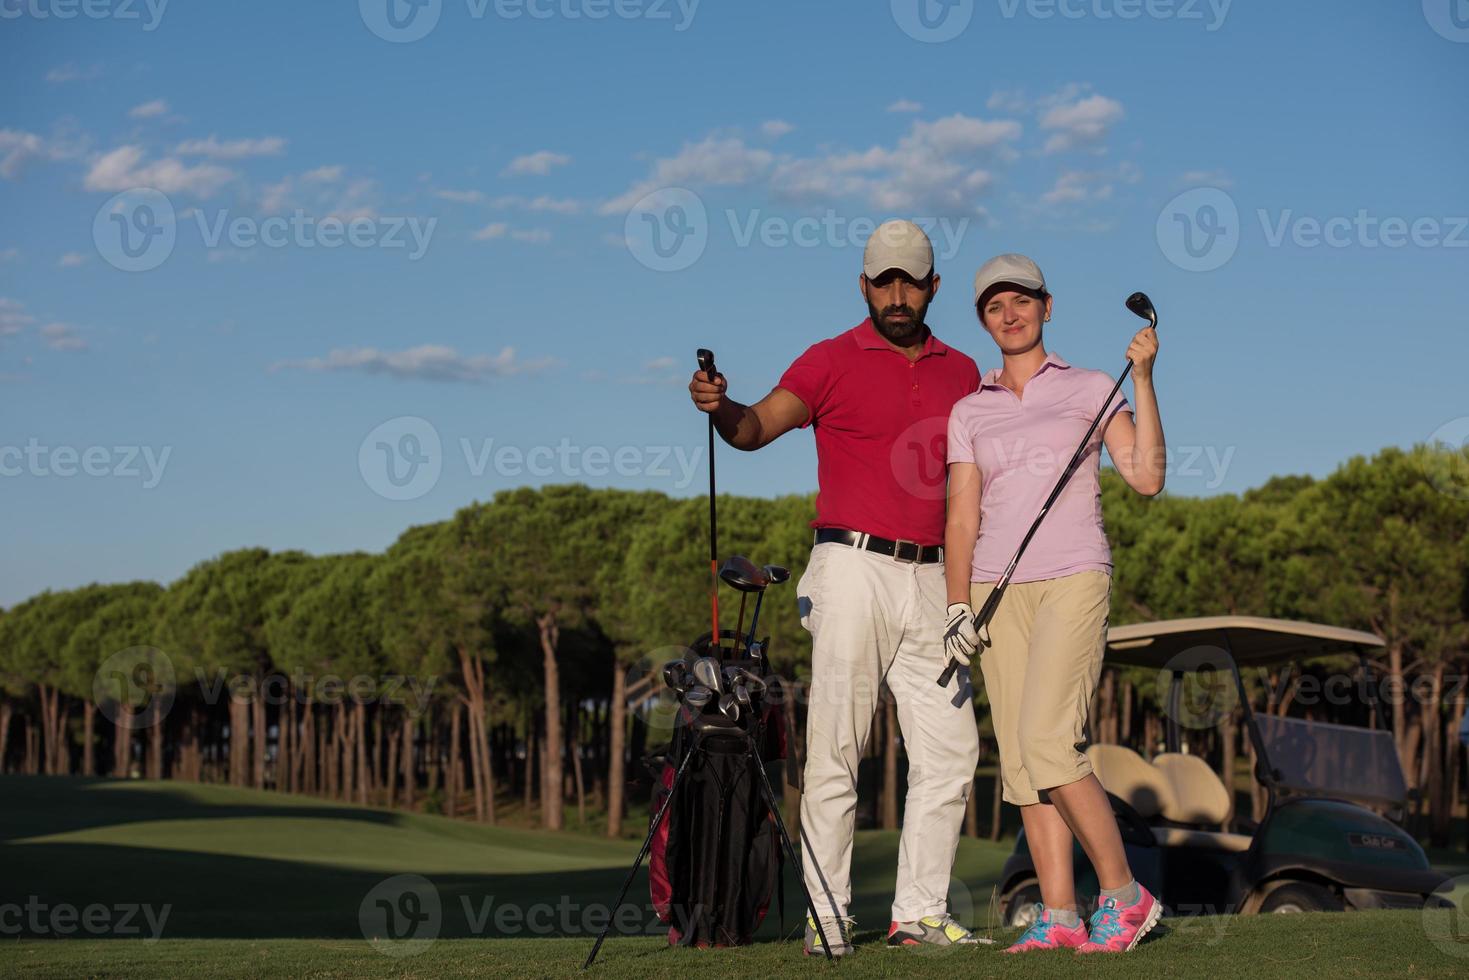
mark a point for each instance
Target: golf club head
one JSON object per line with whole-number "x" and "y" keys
{"x": 739, "y": 572}
{"x": 741, "y": 695}
{"x": 1143, "y": 307}
{"x": 676, "y": 675}
{"x": 744, "y": 677}
{"x": 757, "y": 650}
{"x": 728, "y": 708}
{"x": 698, "y": 696}
{"x": 706, "y": 672}
{"x": 776, "y": 574}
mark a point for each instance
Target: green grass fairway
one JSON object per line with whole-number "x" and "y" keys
{"x": 244, "y": 883}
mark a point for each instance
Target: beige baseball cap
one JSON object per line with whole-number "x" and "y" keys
{"x": 1007, "y": 268}
{"x": 898, "y": 245}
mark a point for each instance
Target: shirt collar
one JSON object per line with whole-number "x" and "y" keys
{"x": 869, "y": 339}
{"x": 991, "y": 377}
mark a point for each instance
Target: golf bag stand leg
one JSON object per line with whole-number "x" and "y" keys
{"x": 647, "y": 845}
{"x": 785, "y": 839}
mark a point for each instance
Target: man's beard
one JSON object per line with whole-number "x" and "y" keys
{"x": 898, "y": 332}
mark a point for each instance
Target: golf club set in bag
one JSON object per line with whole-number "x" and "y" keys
{"x": 717, "y": 842}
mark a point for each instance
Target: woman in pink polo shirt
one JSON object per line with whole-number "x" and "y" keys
{"x": 1008, "y": 443}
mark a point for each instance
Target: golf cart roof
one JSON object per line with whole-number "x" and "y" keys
{"x": 1250, "y": 640}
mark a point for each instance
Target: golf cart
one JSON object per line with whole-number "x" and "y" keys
{"x": 1330, "y": 837}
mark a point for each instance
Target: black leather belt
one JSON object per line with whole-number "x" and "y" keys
{"x": 909, "y": 551}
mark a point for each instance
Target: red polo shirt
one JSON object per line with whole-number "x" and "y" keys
{"x": 881, "y": 425}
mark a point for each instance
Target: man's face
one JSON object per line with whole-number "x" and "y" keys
{"x": 898, "y": 303}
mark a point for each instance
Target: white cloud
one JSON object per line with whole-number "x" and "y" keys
{"x": 500, "y": 229}
{"x": 905, "y": 105}
{"x": 933, "y": 170}
{"x": 71, "y": 72}
{"x": 428, "y": 362}
{"x": 1084, "y": 122}
{"x": 13, "y": 317}
{"x": 1077, "y": 186}
{"x": 324, "y": 175}
{"x": 461, "y": 197}
{"x": 776, "y": 128}
{"x": 324, "y": 191}
{"x": 123, "y": 168}
{"x": 71, "y": 260}
{"x": 212, "y": 146}
{"x": 557, "y": 205}
{"x": 149, "y": 110}
{"x": 62, "y": 336}
{"x": 16, "y": 148}
{"x": 537, "y": 164}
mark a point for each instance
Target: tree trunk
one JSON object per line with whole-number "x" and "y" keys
{"x": 239, "y": 751}
{"x": 795, "y": 754}
{"x": 122, "y": 741}
{"x": 1126, "y": 704}
{"x": 360, "y": 739}
{"x": 1452, "y": 760}
{"x": 406, "y": 755}
{"x": 48, "y": 697}
{"x": 1230, "y": 738}
{"x": 1434, "y": 755}
{"x": 155, "y": 750}
{"x": 89, "y": 733}
{"x": 6, "y": 711}
{"x": 617, "y": 750}
{"x": 258, "y": 710}
{"x": 574, "y": 746}
{"x": 32, "y": 748}
{"x": 456, "y": 765}
{"x": 1399, "y": 700}
{"x": 393, "y": 737}
{"x": 533, "y": 769}
{"x": 551, "y": 781}
{"x": 309, "y": 769}
{"x": 889, "y": 761}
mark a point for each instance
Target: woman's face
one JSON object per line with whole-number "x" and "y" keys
{"x": 1014, "y": 319}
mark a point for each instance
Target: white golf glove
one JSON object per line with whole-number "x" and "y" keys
{"x": 960, "y": 639}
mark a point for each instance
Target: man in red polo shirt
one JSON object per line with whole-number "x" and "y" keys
{"x": 873, "y": 596}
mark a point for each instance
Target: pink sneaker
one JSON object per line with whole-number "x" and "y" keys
{"x": 1045, "y": 934}
{"x": 1117, "y": 929}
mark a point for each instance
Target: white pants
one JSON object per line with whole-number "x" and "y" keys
{"x": 872, "y": 619}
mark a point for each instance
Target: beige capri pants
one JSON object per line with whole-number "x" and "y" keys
{"x": 1040, "y": 672}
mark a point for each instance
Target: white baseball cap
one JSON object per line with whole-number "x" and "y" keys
{"x": 1008, "y": 268}
{"x": 898, "y": 245}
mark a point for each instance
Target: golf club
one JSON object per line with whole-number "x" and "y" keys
{"x": 706, "y": 672}
{"x": 776, "y": 575}
{"x": 676, "y": 675}
{"x": 1139, "y": 304}
{"x": 741, "y": 694}
{"x": 706, "y": 364}
{"x": 742, "y": 574}
{"x": 698, "y": 696}
{"x": 728, "y": 708}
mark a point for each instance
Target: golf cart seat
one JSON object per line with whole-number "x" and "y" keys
{"x": 1198, "y": 794}
{"x": 1149, "y": 790}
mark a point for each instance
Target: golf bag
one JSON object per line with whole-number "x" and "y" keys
{"x": 716, "y": 859}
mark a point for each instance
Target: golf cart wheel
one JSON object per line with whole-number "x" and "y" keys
{"x": 1020, "y": 912}
{"x": 1301, "y": 896}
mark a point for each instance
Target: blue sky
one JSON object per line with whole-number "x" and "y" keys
{"x": 1286, "y": 181}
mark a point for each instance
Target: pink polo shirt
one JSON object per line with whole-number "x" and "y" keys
{"x": 1021, "y": 446}
{"x": 880, "y": 421}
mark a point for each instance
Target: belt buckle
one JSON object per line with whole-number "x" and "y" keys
{"x": 898, "y": 551}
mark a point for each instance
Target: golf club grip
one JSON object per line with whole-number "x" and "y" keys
{"x": 706, "y": 362}
{"x": 986, "y": 612}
